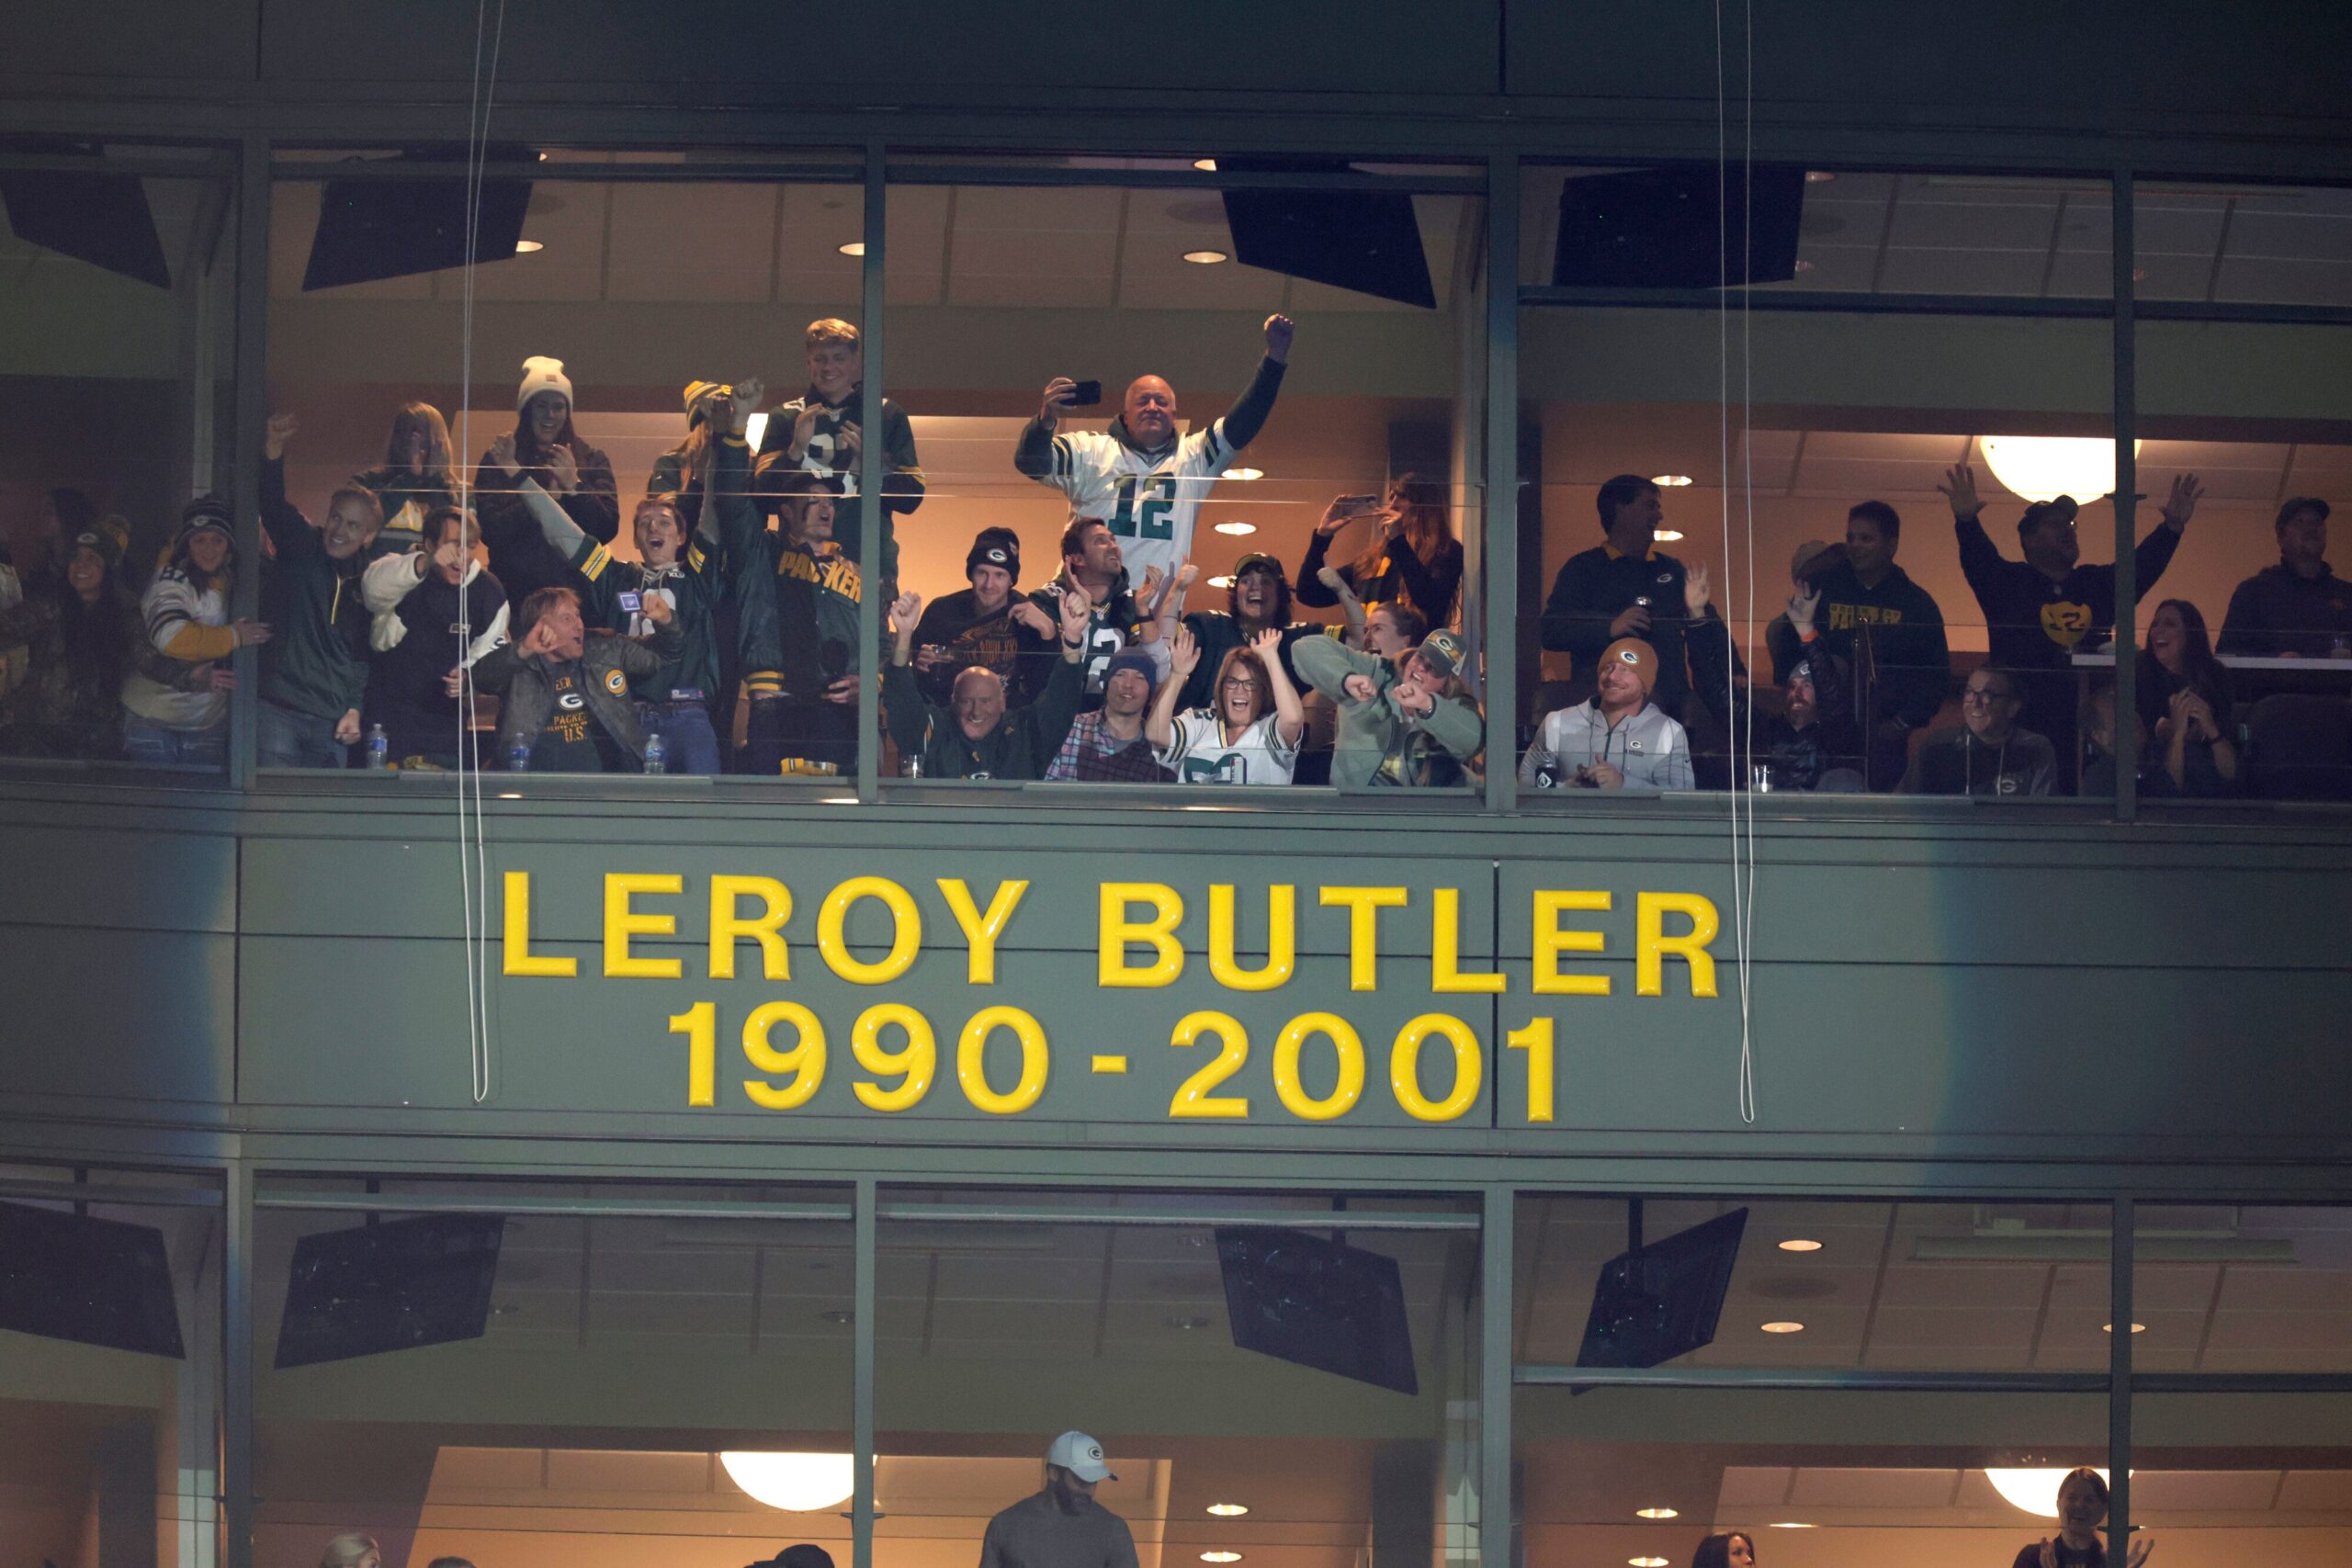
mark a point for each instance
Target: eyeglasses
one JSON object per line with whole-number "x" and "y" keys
{"x": 1982, "y": 693}
{"x": 1238, "y": 683}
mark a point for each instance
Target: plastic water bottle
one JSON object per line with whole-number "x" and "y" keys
{"x": 379, "y": 748}
{"x": 518, "y": 759}
{"x": 657, "y": 757}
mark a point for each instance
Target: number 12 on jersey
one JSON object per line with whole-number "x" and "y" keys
{"x": 1152, "y": 519}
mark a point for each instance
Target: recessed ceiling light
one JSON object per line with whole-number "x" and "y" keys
{"x": 1792, "y": 1525}
{"x": 1645, "y": 1563}
{"x": 2136, "y": 1328}
{"x": 1228, "y": 1510}
{"x": 525, "y": 247}
{"x": 1658, "y": 1512}
{"x": 1220, "y": 582}
{"x": 1818, "y": 176}
{"x": 1803, "y": 265}
{"x": 1206, "y": 165}
{"x": 1207, "y": 258}
{"x": 1668, "y": 536}
{"x": 1245, "y": 473}
{"x": 1669, "y": 481}
{"x": 854, "y": 248}
{"x": 1237, "y": 529}
{"x": 1783, "y": 1327}
{"x": 1221, "y": 1557}
{"x": 1799, "y": 1244}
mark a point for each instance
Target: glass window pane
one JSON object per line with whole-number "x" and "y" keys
{"x": 997, "y": 290}
{"x": 1642, "y": 1475}
{"x": 2251, "y": 622}
{"x": 1748, "y": 443}
{"x": 622, "y": 293}
{"x": 2238, "y": 242}
{"x": 115, "y": 385}
{"x": 1836, "y": 231}
{"x": 1875, "y": 1287}
{"x": 630, "y": 1391}
{"x": 2242, "y": 1288}
{"x": 2221, "y": 1479}
{"x": 110, "y": 1451}
{"x": 995, "y": 1338}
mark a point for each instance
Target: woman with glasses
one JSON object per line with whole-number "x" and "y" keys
{"x": 1249, "y": 732}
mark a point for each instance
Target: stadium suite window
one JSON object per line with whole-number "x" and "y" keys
{"x": 500, "y": 1365}
{"x": 1256, "y": 1386}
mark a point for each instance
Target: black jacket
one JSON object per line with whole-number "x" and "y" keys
{"x": 993, "y": 640}
{"x": 2274, "y": 612}
{"x": 1021, "y": 747}
{"x": 1798, "y": 758}
{"x": 1910, "y": 661}
{"x": 1430, "y": 587}
{"x": 1593, "y": 589}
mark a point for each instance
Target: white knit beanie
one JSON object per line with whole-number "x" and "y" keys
{"x": 541, "y": 374}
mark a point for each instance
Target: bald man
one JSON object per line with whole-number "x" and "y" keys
{"x": 1138, "y": 477}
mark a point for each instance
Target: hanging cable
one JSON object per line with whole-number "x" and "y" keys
{"x": 1743, "y": 899}
{"x": 1742, "y": 722}
{"x": 473, "y": 870}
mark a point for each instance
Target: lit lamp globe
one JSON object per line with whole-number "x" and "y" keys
{"x": 798, "y": 1483}
{"x": 2031, "y": 1491}
{"x": 2042, "y": 467}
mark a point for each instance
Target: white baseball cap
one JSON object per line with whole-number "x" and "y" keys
{"x": 1081, "y": 1456}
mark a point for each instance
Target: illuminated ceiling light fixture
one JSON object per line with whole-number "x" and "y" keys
{"x": 1228, "y": 1510}
{"x": 1225, "y": 581}
{"x": 1658, "y": 1512}
{"x": 1245, "y": 473}
{"x": 1668, "y": 536}
{"x": 2040, "y": 468}
{"x": 2031, "y": 1491}
{"x": 1669, "y": 481}
{"x": 1783, "y": 1327}
{"x": 1207, "y": 258}
{"x": 2136, "y": 1328}
{"x": 798, "y": 1483}
{"x": 1818, "y": 176}
{"x": 854, "y": 248}
{"x": 1237, "y": 529}
{"x": 1792, "y": 1525}
{"x": 1221, "y": 1557}
{"x": 1800, "y": 1244}
{"x": 528, "y": 247}
{"x": 1645, "y": 1563}
{"x": 1206, "y": 165}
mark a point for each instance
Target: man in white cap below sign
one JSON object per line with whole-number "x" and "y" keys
{"x": 1063, "y": 1526}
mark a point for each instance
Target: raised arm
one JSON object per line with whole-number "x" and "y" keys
{"x": 1290, "y": 713}
{"x": 289, "y": 532}
{"x": 1248, "y": 416}
{"x": 1185, "y": 656}
{"x": 1979, "y": 559}
{"x": 1034, "y": 454}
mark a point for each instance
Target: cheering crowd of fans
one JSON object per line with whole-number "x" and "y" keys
{"x": 387, "y": 624}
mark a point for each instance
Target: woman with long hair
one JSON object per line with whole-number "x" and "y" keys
{"x": 1412, "y": 556}
{"x": 2184, "y": 700}
{"x": 78, "y": 638}
{"x": 419, "y": 474}
{"x": 1249, "y": 732}
{"x": 1727, "y": 1549}
{"x": 551, "y": 452}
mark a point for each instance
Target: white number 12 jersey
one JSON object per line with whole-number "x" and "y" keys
{"x": 1150, "y": 507}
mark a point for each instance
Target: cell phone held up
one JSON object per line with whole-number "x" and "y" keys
{"x": 1085, "y": 394}
{"x": 630, "y": 601}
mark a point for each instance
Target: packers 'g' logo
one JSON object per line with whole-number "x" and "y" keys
{"x": 571, "y": 702}
{"x": 616, "y": 683}
{"x": 2065, "y": 622}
